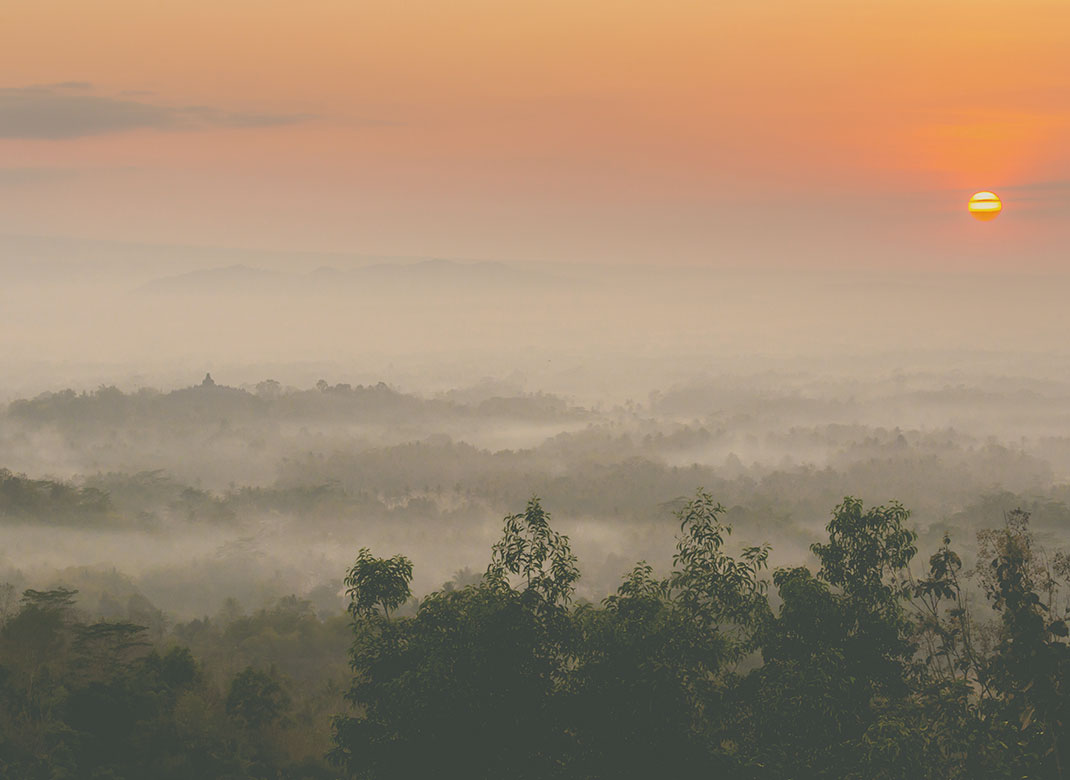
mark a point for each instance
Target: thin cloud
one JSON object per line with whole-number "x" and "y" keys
{"x": 214, "y": 117}
{"x": 62, "y": 111}
{"x": 20, "y": 176}
{"x": 1056, "y": 184}
{"x": 1046, "y": 191}
{"x": 78, "y": 85}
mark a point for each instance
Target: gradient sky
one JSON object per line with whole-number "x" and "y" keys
{"x": 737, "y": 132}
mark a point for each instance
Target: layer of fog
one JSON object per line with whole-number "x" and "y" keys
{"x": 453, "y": 391}
{"x": 82, "y": 314}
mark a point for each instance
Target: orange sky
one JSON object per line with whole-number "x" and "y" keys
{"x": 738, "y": 131}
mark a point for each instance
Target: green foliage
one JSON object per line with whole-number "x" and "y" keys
{"x": 98, "y": 700}
{"x": 1031, "y": 664}
{"x": 22, "y": 498}
{"x": 943, "y": 625}
{"x": 860, "y": 671}
{"x": 256, "y": 699}
{"x": 378, "y": 583}
{"x": 464, "y": 689}
{"x": 863, "y": 671}
{"x": 720, "y": 592}
{"x": 492, "y": 681}
{"x": 530, "y": 548}
{"x": 867, "y": 550}
{"x": 468, "y": 686}
{"x": 837, "y": 657}
{"x": 640, "y": 683}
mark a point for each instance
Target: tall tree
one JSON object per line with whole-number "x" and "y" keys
{"x": 465, "y": 688}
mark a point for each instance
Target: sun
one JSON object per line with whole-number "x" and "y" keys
{"x": 985, "y": 206}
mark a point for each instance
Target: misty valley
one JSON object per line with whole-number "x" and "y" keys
{"x": 534, "y": 390}
{"x": 780, "y": 573}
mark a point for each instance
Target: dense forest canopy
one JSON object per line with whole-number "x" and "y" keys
{"x": 867, "y": 666}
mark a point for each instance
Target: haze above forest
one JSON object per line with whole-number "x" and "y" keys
{"x": 82, "y": 314}
{"x": 408, "y": 404}
{"x": 200, "y": 442}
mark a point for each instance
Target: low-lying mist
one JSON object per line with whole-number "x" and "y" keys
{"x": 408, "y": 405}
{"x": 186, "y": 498}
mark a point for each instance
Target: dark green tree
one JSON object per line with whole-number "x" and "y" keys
{"x": 256, "y": 699}
{"x": 541, "y": 556}
{"x": 467, "y": 687}
{"x": 1031, "y": 666}
{"x": 378, "y": 583}
{"x": 837, "y": 656}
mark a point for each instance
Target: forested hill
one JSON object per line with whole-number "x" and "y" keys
{"x": 211, "y": 402}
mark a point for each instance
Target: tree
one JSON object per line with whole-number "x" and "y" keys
{"x": 837, "y": 655}
{"x": 530, "y": 548}
{"x": 1031, "y": 665}
{"x": 724, "y": 594}
{"x": 634, "y": 705}
{"x": 866, "y": 559}
{"x": 269, "y": 389}
{"x": 867, "y": 552}
{"x": 105, "y": 649}
{"x": 257, "y": 699}
{"x": 466, "y": 687}
{"x": 378, "y": 583}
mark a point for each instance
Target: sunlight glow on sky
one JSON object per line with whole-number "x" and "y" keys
{"x": 741, "y": 132}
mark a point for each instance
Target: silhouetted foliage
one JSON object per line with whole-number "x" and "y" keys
{"x": 98, "y": 700}
{"x": 862, "y": 670}
{"x": 256, "y": 699}
{"x": 375, "y": 583}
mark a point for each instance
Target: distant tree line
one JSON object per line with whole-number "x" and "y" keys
{"x": 210, "y": 401}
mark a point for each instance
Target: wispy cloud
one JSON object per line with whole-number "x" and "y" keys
{"x": 78, "y": 85}
{"x": 63, "y": 111}
{"x": 19, "y": 176}
{"x": 1057, "y": 184}
{"x": 1047, "y": 191}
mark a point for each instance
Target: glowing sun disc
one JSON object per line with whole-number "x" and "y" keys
{"x": 985, "y": 206}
